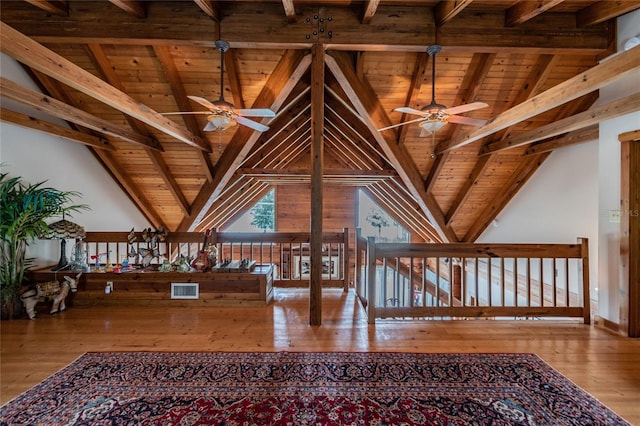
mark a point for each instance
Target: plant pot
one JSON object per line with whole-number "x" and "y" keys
{"x": 11, "y": 309}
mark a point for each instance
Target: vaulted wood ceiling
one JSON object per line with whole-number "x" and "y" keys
{"x": 110, "y": 68}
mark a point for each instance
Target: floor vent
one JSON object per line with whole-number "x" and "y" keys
{"x": 185, "y": 290}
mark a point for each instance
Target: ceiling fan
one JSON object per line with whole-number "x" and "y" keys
{"x": 222, "y": 114}
{"x": 434, "y": 116}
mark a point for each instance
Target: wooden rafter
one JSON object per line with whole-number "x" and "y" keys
{"x": 535, "y": 79}
{"x": 28, "y": 122}
{"x": 603, "y": 10}
{"x": 607, "y": 72}
{"x": 578, "y": 121}
{"x": 210, "y": 7}
{"x": 446, "y": 10}
{"x": 587, "y": 134}
{"x": 524, "y": 11}
{"x": 38, "y": 57}
{"x": 122, "y": 178}
{"x": 370, "y": 109}
{"x": 67, "y": 112}
{"x": 177, "y": 88}
{"x": 103, "y": 65}
{"x": 370, "y": 8}
{"x": 57, "y": 7}
{"x": 557, "y": 34}
{"x": 274, "y": 93}
{"x": 289, "y": 11}
{"x": 133, "y": 7}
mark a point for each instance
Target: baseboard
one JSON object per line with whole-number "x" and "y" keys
{"x": 609, "y": 325}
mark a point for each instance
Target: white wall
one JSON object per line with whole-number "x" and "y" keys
{"x": 609, "y": 180}
{"x": 66, "y": 166}
{"x": 557, "y": 205}
{"x": 573, "y": 191}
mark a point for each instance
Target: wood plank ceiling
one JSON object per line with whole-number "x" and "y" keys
{"x": 110, "y": 68}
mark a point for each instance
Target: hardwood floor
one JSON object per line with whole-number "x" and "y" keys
{"x": 606, "y": 365}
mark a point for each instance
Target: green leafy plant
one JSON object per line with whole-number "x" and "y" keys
{"x": 24, "y": 208}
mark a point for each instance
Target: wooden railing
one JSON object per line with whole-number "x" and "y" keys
{"x": 397, "y": 280}
{"x": 476, "y": 280}
{"x": 288, "y": 251}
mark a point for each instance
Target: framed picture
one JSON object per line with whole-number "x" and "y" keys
{"x": 302, "y": 268}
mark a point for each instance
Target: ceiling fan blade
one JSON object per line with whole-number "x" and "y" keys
{"x": 253, "y": 124}
{"x": 465, "y": 108}
{"x": 466, "y": 120}
{"x": 255, "y": 112}
{"x": 202, "y": 101}
{"x": 186, "y": 113}
{"x": 401, "y": 124}
{"x": 407, "y": 110}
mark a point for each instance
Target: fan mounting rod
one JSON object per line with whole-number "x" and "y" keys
{"x": 222, "y": 46}
{"x": 432, "y": 51}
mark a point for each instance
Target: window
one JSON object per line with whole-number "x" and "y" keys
{"x": 261, "y": 217}
{"x": 374, "y": 221}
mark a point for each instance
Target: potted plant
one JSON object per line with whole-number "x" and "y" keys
{"x": 24, "y": 208}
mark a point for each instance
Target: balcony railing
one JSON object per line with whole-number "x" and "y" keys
{"x": 475, "y": 280}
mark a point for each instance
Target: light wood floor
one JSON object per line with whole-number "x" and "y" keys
{"x": 606, "y": 365}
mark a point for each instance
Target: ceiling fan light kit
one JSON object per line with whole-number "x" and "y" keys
{"x": 434, "y": 116}
{"x": 221, "y": 114}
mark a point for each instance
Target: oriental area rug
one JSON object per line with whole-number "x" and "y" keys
{"x": 296, "y": 388}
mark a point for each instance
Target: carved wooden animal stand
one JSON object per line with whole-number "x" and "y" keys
{"x": 50, "y": 290}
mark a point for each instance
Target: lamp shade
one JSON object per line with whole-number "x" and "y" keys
{"x": 65, "y": 229}
{"x": 432, "y": 126}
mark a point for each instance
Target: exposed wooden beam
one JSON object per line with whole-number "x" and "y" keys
{"x": 473, "y": 80}
{"x": 524, "y": 11}
{"x": 120, "y": 177}
{"x": 370, "y": 8}
{"x": 211, "y": 8}
{"x": 535, "y": 79}
{"x": 289, "y": 11}
{"x": 168, "y": 66}
{"x": 28, "y": 122}
{"x": 611, "y": 70}
{"x": 604, "y": 10}
{"x": 575, "y": 122}
{"x": 103, "y": 65}
{"x": 33, "y": 54}
{"x": 67, "y": 112}
{"x": 587, "y": 134}
{"x": 397, "y": 27}
{"x": 233, "y": 75}
{"x": 134, "y": 7}
{"x": 369, "y": 108}
{"x": 57, "y": 7}
{"x": 274, "y": 93}
{"x": 446, "y": 10}
{"x": 417, "y": 78}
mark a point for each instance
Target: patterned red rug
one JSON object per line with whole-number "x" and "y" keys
{"x": 285, "y": 388}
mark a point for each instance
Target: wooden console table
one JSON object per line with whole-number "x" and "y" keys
{"x": 138, "y": 287}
